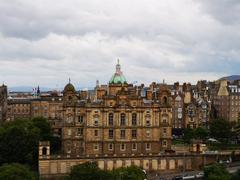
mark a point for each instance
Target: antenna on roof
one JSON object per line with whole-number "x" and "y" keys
{"x": 69, "y": 80}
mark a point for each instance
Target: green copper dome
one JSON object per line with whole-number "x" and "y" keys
{"x": 118, "y": 77}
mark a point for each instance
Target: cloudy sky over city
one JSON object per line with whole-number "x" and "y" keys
{"x": 47, "y": 41}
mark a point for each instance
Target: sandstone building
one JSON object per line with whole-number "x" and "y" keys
{"x": 122, "y": 119}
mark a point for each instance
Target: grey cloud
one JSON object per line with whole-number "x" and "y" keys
{"x": 154, "y": 39}
{"x": 225, "y": 11}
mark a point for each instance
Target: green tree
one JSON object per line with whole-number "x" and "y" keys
{"x": 216, "y": 172}
{"x": 188, "y": 134}
{"x": 201, "y": 133}
{"x": 89, "y": 171}
{"x": 19, "y": 140}
{"x": 16, "y": 172}
{"x": 221, "y": 130}
{"x": 129, "y": 173}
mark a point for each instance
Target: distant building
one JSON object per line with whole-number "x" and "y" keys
{"x": 3, "y": 103}
{"x": 226, "y": 100}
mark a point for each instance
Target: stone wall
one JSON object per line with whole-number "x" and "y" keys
{"x": 168, "y": 163}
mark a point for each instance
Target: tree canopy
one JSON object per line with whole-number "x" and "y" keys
{"x": 16, "y": 172}
{"x": 198, "y": 133}
{"x": 216, "y": 172}
{"x": 90, "y": 171}
{"x": 221, "y": 130}
{"x": 19, "y": 140}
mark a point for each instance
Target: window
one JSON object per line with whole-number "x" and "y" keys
{"x": 96, "y": 133}
{"x": 134, "y": 146}
{"x": 164, "y": 119}
{"x": 110, "y": 146}
{"x": 110, "y": 119}
{"x": 80, "y": 131}
{"x": 148, "y": 133}
{"x": 80, "y": 119}
{"x": 164, "y": 130}
{"x": 123, "y": 119}
{"x": 95, "y": 147}
{"x": 165, "y": 100}
{"x": 110, "y": 133}
{"x": 123, "y": 147}
{"x": 96, "y": 120}
{"x": 134, "y": 133}
{"x": 148, "y": 121}
{"x": 134, "y": 119}
{"x": 44, "y": 151}
{"x": 148, "y": 146}
{"x": 164, "y": 143}
{"x": 122, "y": 133}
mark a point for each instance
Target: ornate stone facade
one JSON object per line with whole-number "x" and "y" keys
{"x": 121, "y": 120}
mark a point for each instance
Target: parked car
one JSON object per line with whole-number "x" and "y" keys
{"x": 199, "y": 175}
{"x": 187, "y": 176}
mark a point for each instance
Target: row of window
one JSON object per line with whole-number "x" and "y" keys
{"x": 111, "y": 133}
{"x": 21, "y": 111}
{"x": 123, "y": 146}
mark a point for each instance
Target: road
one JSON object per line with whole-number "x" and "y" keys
{"x": 231, "y": 169}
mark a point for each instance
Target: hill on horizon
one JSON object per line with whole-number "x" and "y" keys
{"x": 231, "y": 78}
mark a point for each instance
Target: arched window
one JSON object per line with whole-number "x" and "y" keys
{"x": 134, "y": 119}
{"x": 95, "y": 120}
{"x": 148, "y": 120}
{"x": 123, "y": 119}
{"x": 165, "y": 100}
{"x": 44, "y": 151}
{"x": 110, "y": 119}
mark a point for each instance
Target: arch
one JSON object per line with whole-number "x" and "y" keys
{"x": 165, "y": 99}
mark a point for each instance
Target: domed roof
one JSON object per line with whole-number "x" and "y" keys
{"x": 118, "y": 77}
{"x": 69, "y": 87}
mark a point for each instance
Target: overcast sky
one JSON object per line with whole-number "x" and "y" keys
{"x": 47, "y": 41}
